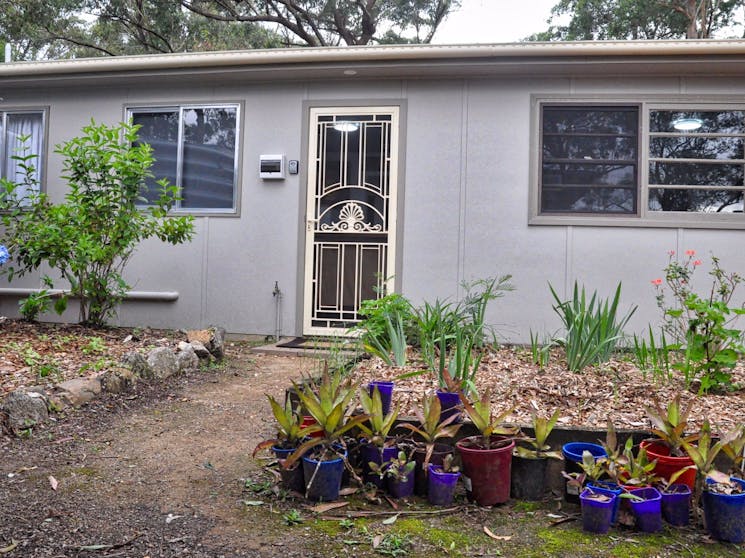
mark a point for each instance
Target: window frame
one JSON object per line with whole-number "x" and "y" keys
{"x": 644, "y": 216}
{"x": 41, "y": 163}
{"x": 180, "y": 107}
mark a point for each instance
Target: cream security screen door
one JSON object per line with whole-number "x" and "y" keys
{"x": 350, "y": 214}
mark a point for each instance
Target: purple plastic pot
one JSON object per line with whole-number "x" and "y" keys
{"x": 596, "y": 512}
{"x": 386, "y": 393}
{"x": 609, "y": 489}
{"x": 648, "y": 510}
{"x": 441, "y": 486}
{"x": 401, "y": 488}
{"x": 725, "y": 514}
{"x": 449, "y": 406}
{"x": 420, "y": 478}
{"x": 676, "y": 504}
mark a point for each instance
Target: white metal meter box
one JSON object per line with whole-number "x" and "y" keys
{"x": 271, "y": 167}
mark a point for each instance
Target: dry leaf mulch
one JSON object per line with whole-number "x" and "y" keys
{"x": 616, "y": 390}
{"x": 43, "y": 354}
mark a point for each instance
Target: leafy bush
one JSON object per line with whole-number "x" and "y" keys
{"x": 702, "y": 325}
{"x": 377, "y": 313}
{"x": 89, "y": 238}
{"x": 593, "y": 329}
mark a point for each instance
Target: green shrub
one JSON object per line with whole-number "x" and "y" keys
{"x": 89, "y": 238}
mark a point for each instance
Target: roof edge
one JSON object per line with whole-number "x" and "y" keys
{"x": 422, "y": 53}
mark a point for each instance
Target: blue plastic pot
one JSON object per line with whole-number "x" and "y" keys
{"x": 441, "y": 487}
{"x": 676, "y": 504}
{"x": 370, "y": 452}
{"x": 449, "y": 406}
{"x": 596, "y": 512}
{"x": 572, "y": 458}
{"x": 725, "y": 514}
{"x": 323, "y": 479}
{"x": 401, "y": 488}
{"x": 648, "y": 510}
{"x": 292, "y": 479}
{"x": 386, "y": 393}
{"x": 609, "y": 489}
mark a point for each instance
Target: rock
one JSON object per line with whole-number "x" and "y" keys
{"x": 137, "y": 364}
{"x": 79, "y": 391}
{"x": 118, "y": 379}
{"x": 23, "y": 410}
{"x": 187, "y": 358}
{"x": 218, "y": 342}
{"x": 200, "y": 350}
{"x": 203, "y": 336}
{"x": 162, "y": 363}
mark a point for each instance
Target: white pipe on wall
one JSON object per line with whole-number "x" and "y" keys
{"x": 153, "y": 296}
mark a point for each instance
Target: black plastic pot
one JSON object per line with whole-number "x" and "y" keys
{"x": 292, "y": 479}
{"x": 528, "y": 481}
{"x": 439, "y": 453}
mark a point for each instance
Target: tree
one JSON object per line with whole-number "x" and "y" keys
{"x": 333, "y": 22}
{"x": 639, "y": 19}
{"x": 77, "y": 28}
{"x": 89, "y": 238}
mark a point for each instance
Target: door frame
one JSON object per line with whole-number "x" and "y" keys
{"x": 395, "y": 245}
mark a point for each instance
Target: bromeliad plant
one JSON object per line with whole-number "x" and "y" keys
{"x": 490, "y": 426}
{"x": 391, "y": 346}
{"x": 430, "y": 427}
{"x": 290, "y": 431}
{"x": 330, "y": 404}
{"x": 669, "y": 424}
{"x": 636, "y": 470}
{"x": 399, "y": 468}
{"x": 377, "y": 426}
{"x": 537, "y": 446}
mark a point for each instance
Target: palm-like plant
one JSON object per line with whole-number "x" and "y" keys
{"x": 488, "y": 424}
{"x": 636, "y": 470}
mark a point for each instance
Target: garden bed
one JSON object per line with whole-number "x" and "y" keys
{"x": 617, "y": 390}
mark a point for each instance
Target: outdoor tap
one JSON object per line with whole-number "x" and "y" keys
{"x": 276, "y": 290}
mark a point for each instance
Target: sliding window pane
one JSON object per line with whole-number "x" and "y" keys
{"x": 687, "y": 147}
{"x": 696, "y": 174}
{"x": 160, "y": 130}
{"x": 555, "y": 174}
{"x": 588, "y": 200}
{"x": 597, "y": 120}
{"x": 701, "y": 201}
{"x": 706, "y": 122}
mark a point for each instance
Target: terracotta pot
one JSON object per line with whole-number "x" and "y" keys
{"x": 668, "y": 465}
{"x": 486, "y": 472}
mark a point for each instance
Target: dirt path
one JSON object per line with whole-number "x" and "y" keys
{"x": 162, "y": 473}
{"x": 159, "y": 474}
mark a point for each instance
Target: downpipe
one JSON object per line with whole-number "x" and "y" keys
{"x": 277, "y": 294}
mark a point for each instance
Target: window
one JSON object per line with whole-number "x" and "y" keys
{"x": 589, "y": 159}
{"x": 195, "y": 148}
{"x": 651, "y": 163}
{"x": 696, "y": 161}
{"x": 17, "y": 125}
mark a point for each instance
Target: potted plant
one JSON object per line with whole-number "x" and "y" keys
{"x": 378, "y": 447}
{"x": 486, "y": 458}
{"x": 646, "y": 505}
{"x": 430, "y": 429}
{"x": 324, "y": 458}
{"x": 591, "y": 468}
{"x": 290, "y": 433}
{"x": 669, "y": 426}
{"x": 399, "y": 472}
{"x": 676, "y": 503}
{"x": 723, "y": 497}
{"x": 442, "y": 481}
{"x": 530, "y": 459}
{"x": 575, "y": 462}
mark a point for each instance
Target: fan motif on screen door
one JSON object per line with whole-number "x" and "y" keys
{"x": 351, "y": 219}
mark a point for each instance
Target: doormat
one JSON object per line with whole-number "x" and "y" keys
{"x": 309, "y": 343}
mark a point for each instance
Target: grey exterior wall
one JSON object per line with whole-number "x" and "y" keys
{"x": 465, "y": 182}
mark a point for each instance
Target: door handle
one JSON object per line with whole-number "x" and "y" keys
{"x": 310, "y": 224}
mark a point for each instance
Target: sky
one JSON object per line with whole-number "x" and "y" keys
{"x": 494, "y": 21}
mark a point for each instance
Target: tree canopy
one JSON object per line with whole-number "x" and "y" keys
{"x": 77, "y": 28}
{"x": 639, "y": 19}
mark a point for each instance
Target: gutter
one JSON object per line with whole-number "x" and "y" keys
{"x": 418, "y": 53}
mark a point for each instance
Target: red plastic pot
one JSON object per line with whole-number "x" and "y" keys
{"x": 486, "y": 472}
{"x": 308, "y": 421}
{"x": 667, "y": 465}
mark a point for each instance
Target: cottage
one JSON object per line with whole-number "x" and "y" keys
{"x": 319, "y": 175}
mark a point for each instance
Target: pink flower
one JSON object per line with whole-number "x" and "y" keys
{"x": 671, "y": 253}
{"x": 690, "y": 252}
{"x": 657, "y": 282}
{"x": 696, "y": 262}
